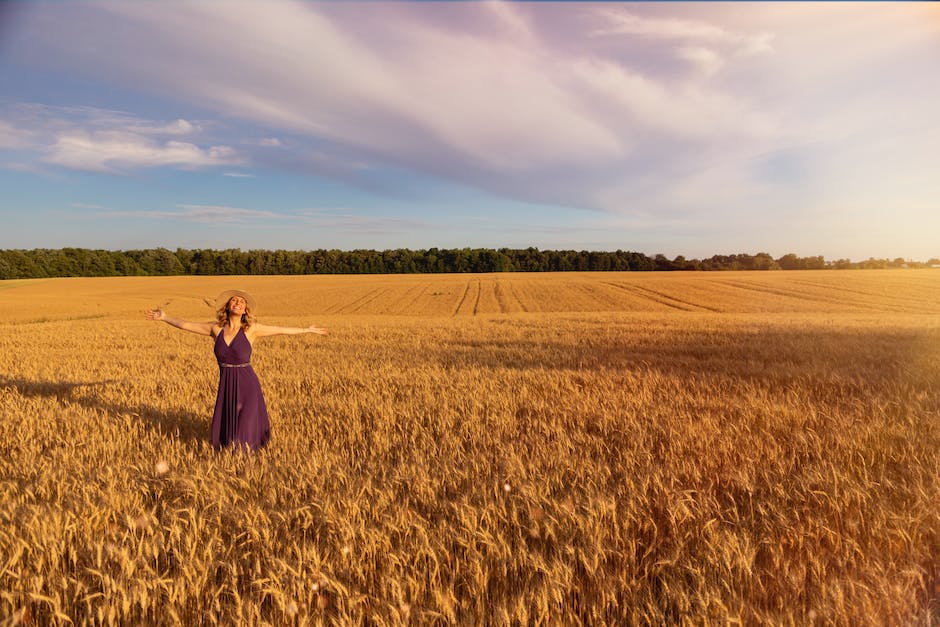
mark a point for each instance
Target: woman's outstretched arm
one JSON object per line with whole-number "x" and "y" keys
{"x": 201, "y": 328}
{"x": 264, "y": 330}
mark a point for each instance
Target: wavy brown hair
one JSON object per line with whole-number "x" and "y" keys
{"x": 221, "y": 316}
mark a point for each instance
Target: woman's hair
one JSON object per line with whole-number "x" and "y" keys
{"x": 221, "y": 316}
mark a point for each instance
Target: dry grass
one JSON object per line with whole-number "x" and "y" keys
{"x": 598, "y": 448}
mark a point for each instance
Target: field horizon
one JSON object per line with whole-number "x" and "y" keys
{"x": 572, "y": 447}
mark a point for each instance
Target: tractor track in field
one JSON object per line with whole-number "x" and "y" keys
{"x": 414, "y": 301}
{"x": 463, "y": 298}
{"x": 515, "y": 294}
{"x": 874, "y": 295}
{"x": 500, "y": 298}
{"x": 796, "y": 294}
{"x": 663, "y": 299}
{"x": 360, "y": 302}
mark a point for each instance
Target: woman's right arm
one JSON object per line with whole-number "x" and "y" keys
{"x": 200, "y": 328}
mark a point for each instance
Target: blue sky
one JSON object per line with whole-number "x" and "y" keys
{"x": 675, "y": 128}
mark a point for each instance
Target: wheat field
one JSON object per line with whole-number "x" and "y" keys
{"x": 597, "y": 448}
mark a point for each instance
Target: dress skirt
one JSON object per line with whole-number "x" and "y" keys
{"x": 240, "y": 417}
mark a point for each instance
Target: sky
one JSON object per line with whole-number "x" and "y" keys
{"x": 677, "y": 128}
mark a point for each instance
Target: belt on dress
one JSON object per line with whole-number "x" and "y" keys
{"x": 233, "y": 365}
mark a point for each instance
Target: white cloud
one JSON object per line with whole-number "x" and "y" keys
{"x": 239, "y": 175}
{"x": 177, "y": 127}
{"x": 102, "y": 140}
{"x": 114, "y": 151}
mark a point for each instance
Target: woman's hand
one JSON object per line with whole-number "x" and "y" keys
{"x": 315, "y": 329}
{"x": 199, "y": 328}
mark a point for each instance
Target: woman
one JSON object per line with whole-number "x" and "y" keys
{"x": 240, "y": 417}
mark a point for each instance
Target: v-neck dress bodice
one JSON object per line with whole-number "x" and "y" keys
{"x": 240, "y": 417}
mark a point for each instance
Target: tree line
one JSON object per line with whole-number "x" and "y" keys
{"x": 83, "y": 262}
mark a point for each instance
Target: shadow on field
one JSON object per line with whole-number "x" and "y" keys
{"x": 890, "y": 354}
{"x": 188, "y": 426}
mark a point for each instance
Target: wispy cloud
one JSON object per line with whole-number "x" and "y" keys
{"x": 198, "y": 213}
{"x": 344, "y": 220}
{"x": 12, "y": 137}
{"x": 336, "y": 219}
{"x": 618, "y": 21}
{"x": 659, "y": 109}
{"x": 496, "y": 107}
{"x": 239, "y": 175}
{"x": 706, "y": 59}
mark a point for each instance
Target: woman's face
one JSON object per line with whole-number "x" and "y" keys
{"x": 237, "y": 305}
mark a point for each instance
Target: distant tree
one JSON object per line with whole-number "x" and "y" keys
{"x": 203, "y": 262}
{"x": 661, "y": 262}
{"x": 125, "y": 265}
{"x": 492, "y": 261}
{"x": 7, "y": 271}
{"x": 814, "y": 263}
{"x": 873, "y": 264}
{"x": 790, "y": 262}
{"x": 638, "y": 262}
{"x": 763, "y": 261}
{"x": 38, "y": 263}
{"x": 100, "y": 263}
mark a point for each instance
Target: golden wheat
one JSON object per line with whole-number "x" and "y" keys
{"x": 598, "y": 448}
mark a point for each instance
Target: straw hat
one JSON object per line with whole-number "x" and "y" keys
{"x": 223, "y": 298}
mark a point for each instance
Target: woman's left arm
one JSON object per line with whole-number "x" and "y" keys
{"x": 264, "y": 330}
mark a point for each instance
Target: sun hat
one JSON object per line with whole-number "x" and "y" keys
{"x": 223, "y": 298}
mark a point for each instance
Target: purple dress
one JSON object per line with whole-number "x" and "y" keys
{"x": 240, "y": 417}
